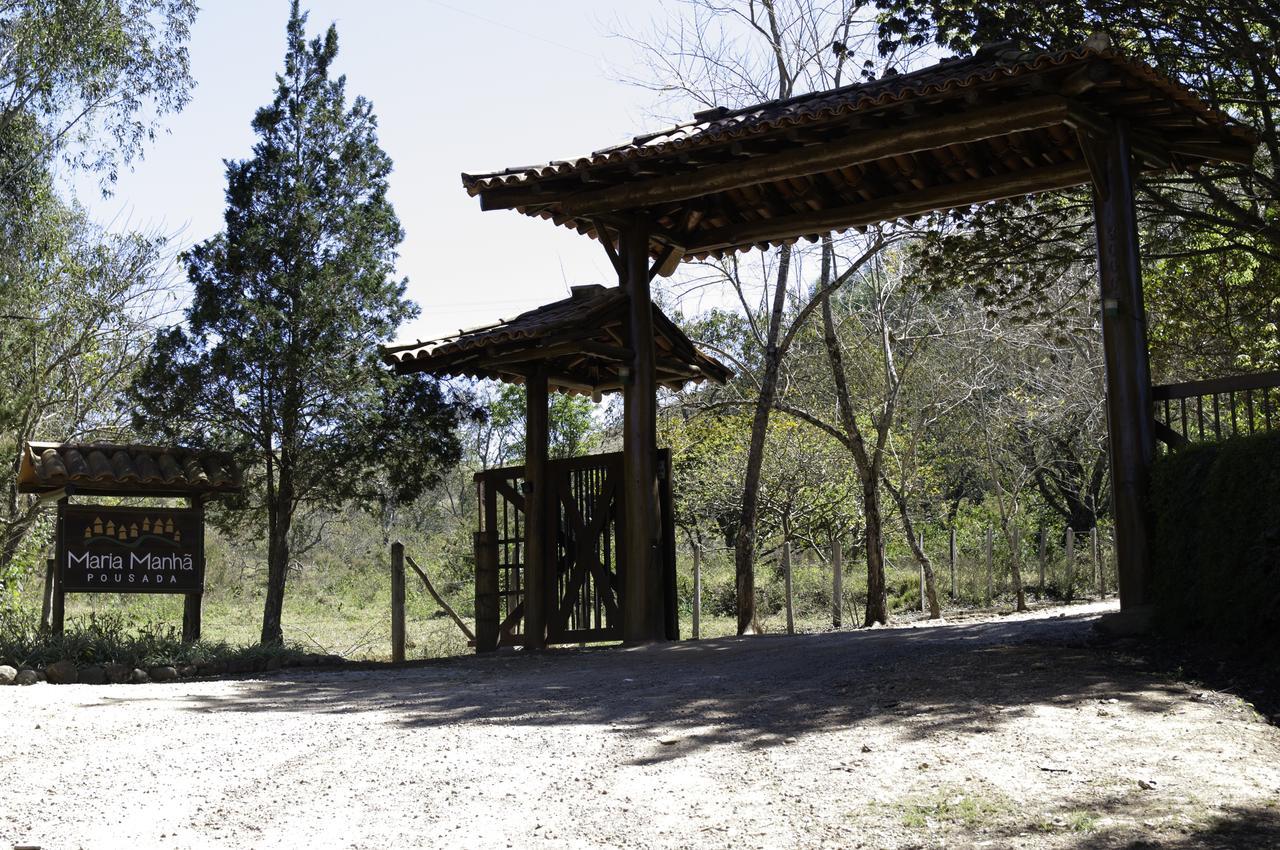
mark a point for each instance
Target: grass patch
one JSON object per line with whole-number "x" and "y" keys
{"x": 953, "y": 808}
{"x": 1080, "y": 821}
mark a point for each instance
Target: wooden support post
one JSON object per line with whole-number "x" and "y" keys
{"x": 1071, "y": 563}
{"x": 837, "y": 582}
{"x": 539, "y": 535}
{"x": 990, "y": 552}
{"x": 1044, "y": 557}
{"x": 786, "y": 578}
{"x": 642, "y": 615}
{"x": 192, "y": 603}
{"x": 951, "y": 555}
{"x": 697, "y": 590}
{"x": 58, "y": 598}
{"x": 397, "y": 601}
{"x": 487, "y": 617}
{"x": 1130, "y": 416}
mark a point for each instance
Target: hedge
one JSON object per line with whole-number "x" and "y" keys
{"x": 1216, "y": 550}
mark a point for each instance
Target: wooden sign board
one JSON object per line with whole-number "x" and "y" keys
{"x": 131, "y": 550}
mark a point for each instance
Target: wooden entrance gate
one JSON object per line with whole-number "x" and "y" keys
{"x": 585, "y": 588}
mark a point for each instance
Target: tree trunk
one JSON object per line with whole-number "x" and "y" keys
{"x": 926, "y": 566}
{"x": 877, "y": 599}
{"x": 868, "y": 465}
{"x": 1013, "y": 538}
{"x": 744, "y": 545}
{"x": 21, "y": 515}
{"x": 281, "y": 518}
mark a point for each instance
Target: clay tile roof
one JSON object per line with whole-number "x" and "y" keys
{"x": 1094, "y": 80}
{"x": 107, "y": 469}
{"x": 582, "y": 338}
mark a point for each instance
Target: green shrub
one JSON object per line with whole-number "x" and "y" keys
{"x": 111, "y": 638}
{"x": 1216, "y": 550}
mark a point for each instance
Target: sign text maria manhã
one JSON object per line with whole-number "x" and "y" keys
{"x": 132, "y": 550}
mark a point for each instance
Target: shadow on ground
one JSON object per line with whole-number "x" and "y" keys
{"x": 1236, "y": 828}
{"x": 962, "y": 679}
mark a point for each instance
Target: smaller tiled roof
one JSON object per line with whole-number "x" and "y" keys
{"x": 110, "y": 469}
{"x": 582, "y": 339}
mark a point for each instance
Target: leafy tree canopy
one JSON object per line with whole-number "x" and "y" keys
{"x": 88, "y": 78}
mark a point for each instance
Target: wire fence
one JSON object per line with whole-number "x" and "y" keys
{"x": 972, "y": 568}
{"x": 979, "y": 569}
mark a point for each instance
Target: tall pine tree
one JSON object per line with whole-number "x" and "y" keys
{"x": 277, "y": 360}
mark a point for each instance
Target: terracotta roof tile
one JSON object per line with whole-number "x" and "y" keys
{"x": 791, "y": 192}
{"x": 715, "y": 126}
{"x": 102, "y": 468}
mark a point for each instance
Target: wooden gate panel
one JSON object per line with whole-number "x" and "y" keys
{"x": 587, "y": 556}
{"x": 588, "y": 562}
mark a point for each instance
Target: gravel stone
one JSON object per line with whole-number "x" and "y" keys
{"x": 164, "y": 674}
{"x": 94, "y": 674}
{"x": 62, "y": 673}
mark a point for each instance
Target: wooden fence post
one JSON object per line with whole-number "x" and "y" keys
{"x": 990, "y": 552}
{"x": 923, "y": 607}
{"x": 1097, "y": 564}
{"x": 397, "y": 601}
{"x": 1016, "y": 558}
{"x": 951, "y": 553}
{"x": 1071, "y": 563}
{"x": 837, "y": 583}
{"x": 1044, "y": 555}
{"x": 697, "y": 590}
{"x": 786, "y": 575}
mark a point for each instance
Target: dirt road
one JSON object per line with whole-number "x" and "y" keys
{"x": 1014, "y": 733}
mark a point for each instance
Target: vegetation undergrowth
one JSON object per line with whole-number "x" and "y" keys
{"x": 111, "y": 637}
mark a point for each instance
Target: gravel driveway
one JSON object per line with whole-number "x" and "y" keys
{"x": 1010, "y": 733}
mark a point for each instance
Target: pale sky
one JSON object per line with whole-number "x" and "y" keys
{"x": 457, "y": 86}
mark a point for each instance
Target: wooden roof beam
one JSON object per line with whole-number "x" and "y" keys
{"x": 1029, "y": 181}
{"x": 972, "y": 125}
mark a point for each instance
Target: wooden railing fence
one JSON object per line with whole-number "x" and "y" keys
{"x": 1216, "y": 409}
